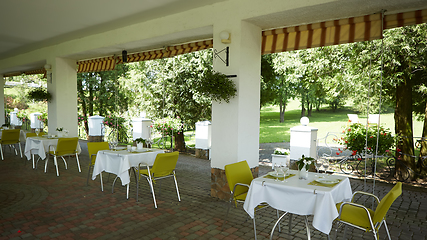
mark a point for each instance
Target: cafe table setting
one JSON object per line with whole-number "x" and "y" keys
{"x": 314, "y": 194}
{"x": 120, "y": 160}
{"x": 40, "y": 145}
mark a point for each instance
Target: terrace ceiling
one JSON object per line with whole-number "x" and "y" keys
{"x": 29, "y": 25}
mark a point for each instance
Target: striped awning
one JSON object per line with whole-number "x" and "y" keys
{"x": 30, "y": 72}
{"x": 405, "y": 19}
{"x": 109, "y": 63}
{"x": 97, "y": 65}
{"x": 335, "y": 32}
{"x": 348, "y": 30}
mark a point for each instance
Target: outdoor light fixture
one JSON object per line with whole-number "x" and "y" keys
{"x": 47, "y": 67}
{"x": 225, "y": 37}
{"x": 125, "y": 56}
{"x": 304, "y": 121}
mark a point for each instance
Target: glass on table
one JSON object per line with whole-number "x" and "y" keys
{"x": 285, "y": 168}
{"x": 325, "y": 164}
{"x": 113, "y": 144}
{"x": 37, "y": 131}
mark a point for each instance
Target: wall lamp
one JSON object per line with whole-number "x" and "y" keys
{"x": 225, "y": 38}
{"x": 48, "y": 69}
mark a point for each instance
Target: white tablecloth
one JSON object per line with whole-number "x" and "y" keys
{"x": 119, "y": 162}
{"x": 297, "y": 197}
{"x": 40, "y": 145}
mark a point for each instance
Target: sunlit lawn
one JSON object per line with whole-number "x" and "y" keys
{"x": 271, "y": 130}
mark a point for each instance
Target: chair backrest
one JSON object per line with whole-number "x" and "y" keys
{"x": 386, "y": 202}
{"x": 10, "y": 136}
{"x": 94, "y": 147}
{"x": 239, "y": 172}
{"x": 353, "y": 118}
{"x": 31, "y": 134}
{"x": 164, "y": 164}
{"x": 66, "y": 146}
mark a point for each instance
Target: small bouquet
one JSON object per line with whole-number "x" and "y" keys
{"x": 281, "y": 151}
{"x": 305, "y": 162}
{"x": 60, "y": 129}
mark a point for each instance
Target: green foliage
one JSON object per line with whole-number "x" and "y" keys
{"x": 114, "y": 122}
{"x": 306, "y": 162}
{"x": 39, "y": 94}
{"x": 217, "y": 86}
{"x": 168, "y": 126}
{"x": 22, "y": 115}
{"x": 356, "y": 135}
{"x": 43, "y": 118}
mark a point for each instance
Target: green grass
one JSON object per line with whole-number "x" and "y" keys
{"x": 271, "y": 130}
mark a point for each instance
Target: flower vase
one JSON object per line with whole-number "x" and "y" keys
{"x": 139, "y": 145}
{"x": 303, "y": 173}
{"x": 60, "y": 134}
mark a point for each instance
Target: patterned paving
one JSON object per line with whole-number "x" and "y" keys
{"x": 35, "y": 205}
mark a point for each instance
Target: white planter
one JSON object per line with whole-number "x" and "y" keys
{"x": 279, "y": 159}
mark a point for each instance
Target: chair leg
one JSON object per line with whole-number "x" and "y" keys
{"x": 65, "y": 162}
{"x": 45, "y": 164}
{"x": 20, "y": 149}
{"x": 88, "y": 174}
{"x": 56, "y": 165}
{"x": 102, "y": 184}
{"x": 152, "y": 191}
{"x": 1, "y": 151}
{"x": 176, "y": 186}
{"x": 78, "y": 162}
{"x": 386, "y": 229}
{"x": 226, "y": 215}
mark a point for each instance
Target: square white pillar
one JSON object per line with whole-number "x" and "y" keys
{"x": 2, "y": 120}
{"x": 62, "y": 109}
{"x": 235, "y": 125}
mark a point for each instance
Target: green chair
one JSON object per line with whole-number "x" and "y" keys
{"x": 10, "y": 137}
{"x": 366, "y": 219}
{"x": 163, "y": 167}
{"x": 93, "y": 148}
{"x": 65, "y": 147}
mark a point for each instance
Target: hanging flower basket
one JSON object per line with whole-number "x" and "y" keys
{"x": 39, "y": 94}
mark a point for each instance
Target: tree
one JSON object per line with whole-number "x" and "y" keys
{"x": 183, "y": 87}
{"x": 102, "y": 93}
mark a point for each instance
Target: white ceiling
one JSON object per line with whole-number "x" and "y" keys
{"x": 32, "y": 24}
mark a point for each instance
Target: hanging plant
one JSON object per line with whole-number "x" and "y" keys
{"x": 39, "y": 94}
{"x": 217, "y": 86}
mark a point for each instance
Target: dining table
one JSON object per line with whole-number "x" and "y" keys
{"x": 317, "y": 195}
{"x": 121, "y": 161}
{"x": 40, "y": 145}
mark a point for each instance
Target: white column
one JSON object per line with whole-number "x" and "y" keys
{"x": 2, "y": 120}
{"x": 62, "y": 109}
{"x": 235, "y": 125}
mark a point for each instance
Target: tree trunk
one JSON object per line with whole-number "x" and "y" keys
{"x": 302, "y": 108}
{"x": 180, "y": 142}
{"x": 403, "y": 128}
{"x": 282, "y": 107}
{"x": 310, "y": 109}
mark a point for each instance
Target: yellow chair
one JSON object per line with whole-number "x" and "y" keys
{"x": 93, "y": 148}
{"x": 239, "y": 177}
{"x": 361, "y": 217}
{"x": 65, "y": 147}
{"x": 163, "y": 167}
{"x": 30, "y": 134}
{"x": 10, "y": 137}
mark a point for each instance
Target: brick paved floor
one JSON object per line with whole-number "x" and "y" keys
{"x": 35, "y": 205}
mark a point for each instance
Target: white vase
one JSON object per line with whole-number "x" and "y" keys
{"x": 60, "y": 134}
{"x": 139, "y": 145}
{"x": 279, "y": 159}
{"x": 303, "y": 173}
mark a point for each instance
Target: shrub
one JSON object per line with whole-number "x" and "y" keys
{"x": 355, "y": 139}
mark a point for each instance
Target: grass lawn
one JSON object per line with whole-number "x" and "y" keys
{"x": 271, "y": 130}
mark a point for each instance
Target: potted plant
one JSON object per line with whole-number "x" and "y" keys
{"x": 304, "y": 164}
{"x": 62, "y": 132}
{"x": 39, "y": 94}
{"x": 280, "y": 156}
{"x": 140, "y": 143}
